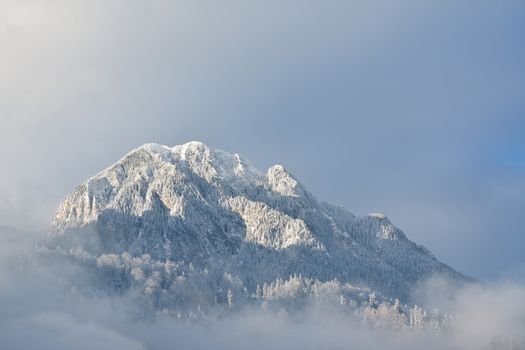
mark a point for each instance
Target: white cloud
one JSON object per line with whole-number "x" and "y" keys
{"x": 40, "y": 308}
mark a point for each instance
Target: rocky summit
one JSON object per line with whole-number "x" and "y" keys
{"x": 192, "y": 208}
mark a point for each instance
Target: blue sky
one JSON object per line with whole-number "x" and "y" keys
{"x": 415, "y": 109}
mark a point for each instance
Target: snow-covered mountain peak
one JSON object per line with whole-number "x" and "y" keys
{"x": 213, "y": 165}
{"x": 153, "y": 148}
{"x": 378, "y": 225}
{"x": 282, "y": 182}
{"x": 192, "y": 203}
{"x": 377, "y": 215}
{"x": 192, "y": 149}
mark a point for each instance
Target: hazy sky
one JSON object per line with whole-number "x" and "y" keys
{"x": 413, "y": 108}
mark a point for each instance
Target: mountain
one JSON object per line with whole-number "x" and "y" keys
{"x": 160, "y": 215}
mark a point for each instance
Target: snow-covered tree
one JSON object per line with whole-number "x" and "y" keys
{"x": 230, "y": 298}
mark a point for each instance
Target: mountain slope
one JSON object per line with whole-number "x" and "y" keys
{"x": 216, "y": 212}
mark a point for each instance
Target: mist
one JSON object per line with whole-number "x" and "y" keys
{"x": 44, "y": 304}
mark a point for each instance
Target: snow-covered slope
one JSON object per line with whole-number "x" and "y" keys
{"x": 215, "y": 212}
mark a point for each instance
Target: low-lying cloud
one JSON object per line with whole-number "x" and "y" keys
{"x": 41, "y": 309}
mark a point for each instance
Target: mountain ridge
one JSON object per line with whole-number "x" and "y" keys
{"x": 215, "y": 210}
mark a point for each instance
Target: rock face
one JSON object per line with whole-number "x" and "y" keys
{"x": 193, "y": 204}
